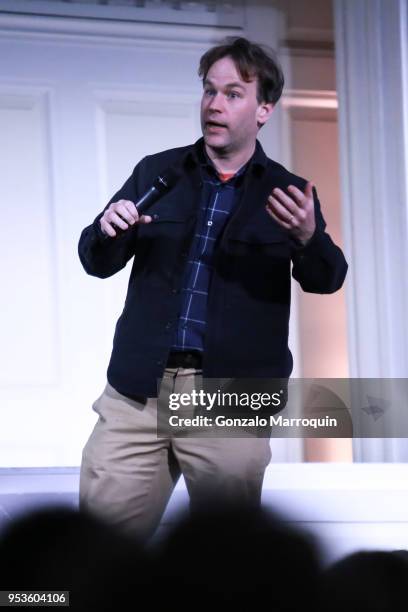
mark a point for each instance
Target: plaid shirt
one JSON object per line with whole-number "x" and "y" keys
{"x": 218, "y": 199}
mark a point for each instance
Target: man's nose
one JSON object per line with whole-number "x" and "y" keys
{"x": 216, "y": 103}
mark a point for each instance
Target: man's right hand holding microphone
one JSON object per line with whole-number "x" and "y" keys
{"x": 121, "y": 215}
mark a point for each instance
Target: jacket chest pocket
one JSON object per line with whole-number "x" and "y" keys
{"x": 266, "y": 242}
{"x": 256, "y": 268}
{"x": 166, "y": 225}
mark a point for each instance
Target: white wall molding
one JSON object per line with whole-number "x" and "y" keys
{"x": 316, "y": 36}
{"x": 304, "y": 98}
{"x": 136, "y": 34}
{"x": 25, "y": 117}
{"x": 211, "y": 12}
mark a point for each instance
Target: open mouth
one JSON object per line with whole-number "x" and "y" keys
{"x": 214, "y": 125}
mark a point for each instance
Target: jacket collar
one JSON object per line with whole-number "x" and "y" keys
{"x": 197, "y": 156}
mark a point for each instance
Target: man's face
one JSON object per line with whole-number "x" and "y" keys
{"x": 230, "y": 111}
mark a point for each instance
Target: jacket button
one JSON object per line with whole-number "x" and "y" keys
{"x": 168, "y": 325}
{"x": 159, "y": 362}
{"x": 175, "y": 290}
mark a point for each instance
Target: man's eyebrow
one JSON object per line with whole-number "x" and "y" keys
{"x": 227, "y": 86}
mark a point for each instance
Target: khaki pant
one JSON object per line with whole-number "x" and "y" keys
{"x": 128, "y": 473}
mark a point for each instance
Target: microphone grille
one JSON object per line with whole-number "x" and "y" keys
{"x": 167, "y": 179}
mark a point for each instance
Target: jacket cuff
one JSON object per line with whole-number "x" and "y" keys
{"x": 315, "y": 240}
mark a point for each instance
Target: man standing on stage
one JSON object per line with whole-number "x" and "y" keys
{"x": 209, "y": 292}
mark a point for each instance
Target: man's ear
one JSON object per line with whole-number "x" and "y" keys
{"x": 263, "y": 112}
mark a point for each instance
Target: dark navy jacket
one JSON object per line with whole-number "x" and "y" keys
{"x": 249, "y": 298}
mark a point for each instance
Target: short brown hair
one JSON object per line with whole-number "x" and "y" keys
{"x": 251, "y": 60}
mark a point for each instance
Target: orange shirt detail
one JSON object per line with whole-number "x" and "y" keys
{"x": 226, "y": 176}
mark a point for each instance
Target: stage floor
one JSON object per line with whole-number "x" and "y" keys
{"x": 347, "y": 507}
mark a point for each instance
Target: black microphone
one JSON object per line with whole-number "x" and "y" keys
{"x": 163, "y": 183}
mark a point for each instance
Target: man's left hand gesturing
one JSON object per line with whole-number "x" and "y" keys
{"x": 295, "y": 212}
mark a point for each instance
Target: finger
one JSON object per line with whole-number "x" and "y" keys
{"x": 284, "y": 199}
{"x": 309, "y": 189}
{"x": 301, "y": 196}
{"x": 113, "y": 217}
{"x": 145, "y": 219}
{"x": 297, "y": 194}
{"x": 107, "y": 229}
{"x": 131, "y": 209}
{"x": 125, "y": 214}
{"x": 280, "y": 209}
{"x": 277, "y": 219}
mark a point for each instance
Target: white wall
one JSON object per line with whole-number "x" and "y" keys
{"x": 81, "y": 101}
{"x": 78, "y": 102}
